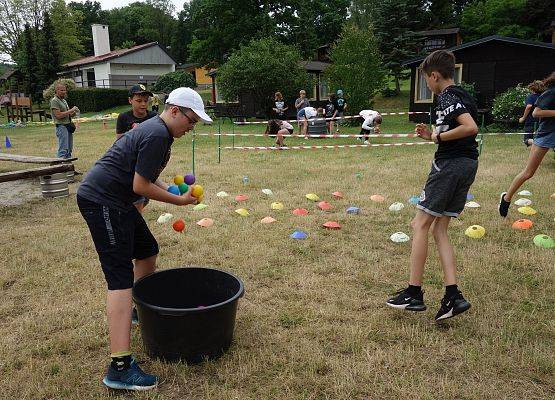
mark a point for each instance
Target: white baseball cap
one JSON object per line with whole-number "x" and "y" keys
{"x": 188, "y": 98}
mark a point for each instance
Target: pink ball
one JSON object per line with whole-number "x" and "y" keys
{"x": 189, "y": 179}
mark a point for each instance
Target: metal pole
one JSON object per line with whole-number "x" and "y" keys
{"x": 194, "y": 151}
{"x": 219, "y": 141}
{"x": 481, "y": 134}
{"x": 232, "y": 131}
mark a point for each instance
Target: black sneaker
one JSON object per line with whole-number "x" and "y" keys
{"x": 134, "y": 317}
{"x": 503, "y": 205}
{"x": 404, "y": 301}
{"x": 451, "y": 306}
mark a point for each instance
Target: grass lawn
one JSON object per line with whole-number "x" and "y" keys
{"x": 312, "y": 323}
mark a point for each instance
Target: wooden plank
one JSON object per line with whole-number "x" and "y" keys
{"x": 31, "y": 173}
{"x": 33, "y": 159}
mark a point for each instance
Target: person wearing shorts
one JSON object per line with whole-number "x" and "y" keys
{"x": 126, "y": 248}
{"x": 452, "y": 173}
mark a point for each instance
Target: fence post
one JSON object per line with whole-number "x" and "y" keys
{"x": 233, "y": 133}
{"x": 481, "y": 134}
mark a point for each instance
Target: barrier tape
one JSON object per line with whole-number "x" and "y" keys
{"x": 338, "y": 146}
{"x": 76, "y": 121}
{"x": 357, "y": 135}
{"x": 334, "y": 119}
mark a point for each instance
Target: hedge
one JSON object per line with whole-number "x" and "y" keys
{"x": 96, "y": 99}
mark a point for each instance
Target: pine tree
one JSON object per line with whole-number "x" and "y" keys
{"x": 395, "y": 24}
{"x": 30, "y": 64}
{"x": 48, "y": 55}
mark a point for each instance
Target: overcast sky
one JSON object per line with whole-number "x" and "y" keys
{"x": 108, "y": 4}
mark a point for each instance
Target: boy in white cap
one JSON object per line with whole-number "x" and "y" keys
{"x": 371, "y": 124}
{"x": 129, "y": 170}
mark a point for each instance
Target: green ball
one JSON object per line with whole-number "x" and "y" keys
{"x": 183, "y": 188}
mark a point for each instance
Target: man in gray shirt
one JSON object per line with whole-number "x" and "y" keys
{"x": 61, "y": 115}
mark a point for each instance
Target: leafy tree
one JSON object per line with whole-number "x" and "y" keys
{"x": 356, "y": 66}
{"x": 395, "y": 25}
{"x": 441, "y": 14}
{"x": 261, "y": 68}
{"x": 14, "y": 14}
{"x": 496, "y": 17}
{"x": 48, "y": 55}
{"x": 142, "y": 23}
{"x": 66, "y": 22}
{"x": 220, "y": 26}
{"x": 92, "y": 13}
{"x": 172, "y": 80}
{"x": 183, "y": 35}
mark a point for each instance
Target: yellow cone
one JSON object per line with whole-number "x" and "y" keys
{"x": 242, "y": 212}
{"x": 475, "y": 231}
{"x": 527, "y": 210}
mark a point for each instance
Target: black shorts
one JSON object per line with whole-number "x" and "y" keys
{"x": 119, "y": 237}
{"x": 447, "y": 186}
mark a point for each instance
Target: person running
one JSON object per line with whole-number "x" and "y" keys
{"x": 544, "y": 140}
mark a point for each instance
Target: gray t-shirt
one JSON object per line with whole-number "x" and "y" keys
{"x": 61, "y": 105}
{"x": 147, "y": 151}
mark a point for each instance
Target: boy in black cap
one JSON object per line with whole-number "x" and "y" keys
{"x": 138, "y": 98}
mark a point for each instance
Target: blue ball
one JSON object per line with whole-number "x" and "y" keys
{"x": 174, "y": 190}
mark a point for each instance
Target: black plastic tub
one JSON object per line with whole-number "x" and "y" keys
{"x": 187, "y": 314}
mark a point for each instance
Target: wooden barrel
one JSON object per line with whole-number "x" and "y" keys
{"x": 54, "y": 185}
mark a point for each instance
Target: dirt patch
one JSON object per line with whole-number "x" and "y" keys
{"x": 18, "y": 192}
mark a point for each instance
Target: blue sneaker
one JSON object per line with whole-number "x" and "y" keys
{"x": 133, "y": 378}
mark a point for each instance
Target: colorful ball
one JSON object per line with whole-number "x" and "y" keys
{"x": 189, "y": 179}
{"x": 179, "y": 225}
{"x": 174, "y": 190}
{"x": 178, "y": 180}
{"x": 197, "y": 191}
{"x": 183, "y": 187}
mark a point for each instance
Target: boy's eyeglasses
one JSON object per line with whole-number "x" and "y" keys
{"x": 191, "y": 121}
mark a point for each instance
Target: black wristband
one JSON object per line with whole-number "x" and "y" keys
{"x": 438, "y": 137}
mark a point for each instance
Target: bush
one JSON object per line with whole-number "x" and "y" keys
{"x": 49, "y": 92}
{"x": 173, "y": 80}
{"x": 387, "y": 92}
{"x": 96, "y": 99}
{"x": 509, "y": 106}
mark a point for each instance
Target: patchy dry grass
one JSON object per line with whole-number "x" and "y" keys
{"x": 312, "y": 324}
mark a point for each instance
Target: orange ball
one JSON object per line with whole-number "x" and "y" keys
{"x": 179, "y": 225}
{"x": 197, "y": 191}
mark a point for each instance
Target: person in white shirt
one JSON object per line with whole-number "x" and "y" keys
{"x": 371, "y": 124}
{"x": 278, "y": 129}
{"x": 303, "y": 116}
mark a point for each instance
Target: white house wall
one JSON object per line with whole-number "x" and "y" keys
{"x": 150, "y": 55}
{"x": 140, "y": 69}
{"x": 102, "y": 74}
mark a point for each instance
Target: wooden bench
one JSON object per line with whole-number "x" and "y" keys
{"x": 56, "y": 165}
{"x": 21, "y": 108}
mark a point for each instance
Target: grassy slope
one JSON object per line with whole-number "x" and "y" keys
{"x": 312, "y": 324}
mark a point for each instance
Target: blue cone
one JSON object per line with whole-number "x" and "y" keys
{"x": 298, "y": 235}
{"x": 414, "y": 200}
{"x": 469, "y": 196}
{"x": 353, "y": 210}
{"x": 8, "y": 143}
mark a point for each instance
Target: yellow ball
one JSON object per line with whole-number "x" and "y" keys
{"x": 178, "y": 180}
{"x": 197, "y": 191}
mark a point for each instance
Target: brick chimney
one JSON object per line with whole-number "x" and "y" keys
{"x": 101, "y": 39}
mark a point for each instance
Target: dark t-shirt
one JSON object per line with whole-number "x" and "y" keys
{"x": 340, "y": 104}
{"x": 280, "y": 105}
{"x": 531, "y": 99}
{"x": 451, "y": 103}
{"x": 330, "y": 108}
{"x": 546, "y": 102}
{"x": 110, "y": 180}
{"x": 127, "y": 121}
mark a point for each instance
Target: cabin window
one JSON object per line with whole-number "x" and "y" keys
{"x": 424, "y": 95}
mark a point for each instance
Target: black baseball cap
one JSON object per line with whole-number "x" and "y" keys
{"x": 138, "y": 89}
